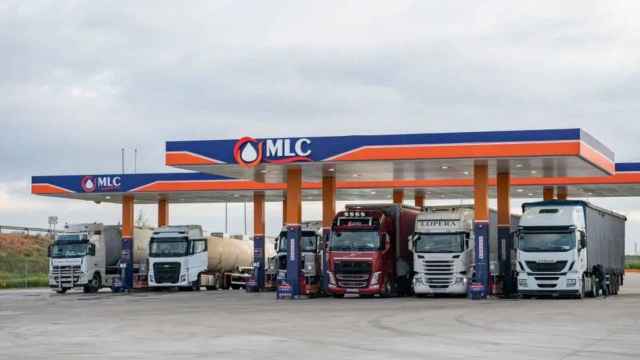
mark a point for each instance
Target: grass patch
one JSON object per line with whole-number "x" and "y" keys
{"x": 9, "y": 281}
{"x": 23, "y": 261}
{"x": 634, "y": 266}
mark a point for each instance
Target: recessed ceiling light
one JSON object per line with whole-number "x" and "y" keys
{"x": 520, "y": 190}
{"x": 519, "y": 165}
{"x": 356, "y": 175}
{"x": 429, "y": 193}
{"x": 530, "y": 194}
{"x": 533, "y": 171}
{"x": 331, "y": 169}
{"x": 373, "y": 193}
{"x": 236, "y": 195}
{"x": 264, "y": 171}
{"x": 466, "y": 173}
{"x": 589, "y": 193}
{"x": 107, "y": 197}
{"x": 444, "y": 167}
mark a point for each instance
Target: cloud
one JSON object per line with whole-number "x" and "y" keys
{"x": 79, "y": 81}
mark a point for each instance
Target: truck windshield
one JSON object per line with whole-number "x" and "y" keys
{"x": 69, "y": 249}
{"x": 439, "y": 243}
{"x": 168, "y": 247}
{"x": 355, "y": 241}
{"x": 308, "y": 242}
{"x": 546, "y": 242}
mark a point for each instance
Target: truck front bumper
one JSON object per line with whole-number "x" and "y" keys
{"x": 184, "y": 283}
{"x": 421, "y": 287}
{"x": 565, "y": 284}
{"x": 68, "y": 281}
{"x": 372, "y": 290}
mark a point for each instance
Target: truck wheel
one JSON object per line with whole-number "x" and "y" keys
{"x": 387, "y": 292}
{"x": 61, "y": 291}
{"x": 95, "y": 284}
{"x": 196, "y": 284}
{"x": 338, "y": 296}
{"x": 235, "y": 287}
{"x": 591, "y": 292}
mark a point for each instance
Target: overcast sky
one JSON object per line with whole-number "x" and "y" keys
{"x": 81, "y": 79}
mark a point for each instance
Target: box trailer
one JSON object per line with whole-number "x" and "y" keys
{"x": 560, "y": 243}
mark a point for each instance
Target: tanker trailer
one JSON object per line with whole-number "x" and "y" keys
{"x": 182, "y": 257}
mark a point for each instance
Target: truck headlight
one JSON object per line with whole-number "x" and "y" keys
{"x": 183, "y": 277}
{"x": 572, "y": 282}
{"x": 459, "y": 280}
{"x": 375, "y": 279}
{"x": 522, "y": 283}
{"x": 332, "y": 278}
{"x": 151, "y": 278}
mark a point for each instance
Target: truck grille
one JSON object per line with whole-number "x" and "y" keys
{"x": 352, "y": 281}
{"x": 439, "y": 273}
{"x": 66, "y": 275}
{"x": 166, "y": 273}
{"x": 353, "y": 267}
{"x": 557, "y": 266}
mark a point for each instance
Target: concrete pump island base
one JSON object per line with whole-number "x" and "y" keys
{"x": 40, "y": 324}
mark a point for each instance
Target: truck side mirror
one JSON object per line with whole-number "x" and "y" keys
{"x": 411, "y": 239}
{"x": 387, "y": 242}
{"x": 49, "y": 249}
{"x": 92, "y": 249}
{"x": 583, "y": 240}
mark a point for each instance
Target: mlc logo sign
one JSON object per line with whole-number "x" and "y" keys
{"x": 100, "y": 183}
{"x": 249, "y": 152}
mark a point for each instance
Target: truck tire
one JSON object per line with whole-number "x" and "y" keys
{"x": 338, "y": 296}
{"x": 95, "y": 284}
{"x": 582, "y": 290}
{"x": 196, "y": 284}
{"x": 387, "y": 291}
{"x": 61, "y": 291}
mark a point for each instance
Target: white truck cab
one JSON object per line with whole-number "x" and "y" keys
{"x": 177, "y": 256}
{"x": 77, "y": 257}
{"x": 442, "y": 250}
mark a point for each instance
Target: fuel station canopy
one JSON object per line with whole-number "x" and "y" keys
{"x": 532, "y": 153}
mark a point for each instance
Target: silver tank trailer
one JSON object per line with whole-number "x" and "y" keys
{"x": 227, "y": 254}
{"x": 113, "y": 244}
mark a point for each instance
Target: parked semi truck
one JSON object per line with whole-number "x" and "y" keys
{"x": 183, "y": 257}
{"x": 87, "y": 256}
{"x": 560, "y": 242}
{"x": 311, "y": 258}
{"x": 368, "y": 251}
{"x": 443, "y": 249}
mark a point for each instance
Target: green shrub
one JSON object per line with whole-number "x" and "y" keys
{"x": 635, "y": 266}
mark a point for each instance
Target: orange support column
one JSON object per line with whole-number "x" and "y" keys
{"x": 163, "y": 212}
{"x": 294, "y": 196}
{"x": 295, "y": 280}
{"x": 419, "y": 199}
{"x": 126, "y": 256}
{"x": 398, "y": 197}
{"x": 328, "y": 201}
{"x": 505, "y": 242}
{"x": 480, "y": 284}
{"x": 328, "y": 213}
{"x": 258, "y": 241}
{"x": 547, "y": 193}
{"x": 563, "y": 193}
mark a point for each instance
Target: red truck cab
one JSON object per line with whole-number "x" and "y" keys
{"x": 368, "y": 250}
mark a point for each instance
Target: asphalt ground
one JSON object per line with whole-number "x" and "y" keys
{"x": 39, "y": 324}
